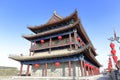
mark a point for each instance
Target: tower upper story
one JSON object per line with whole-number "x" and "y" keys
{"x": 58, "y": 26}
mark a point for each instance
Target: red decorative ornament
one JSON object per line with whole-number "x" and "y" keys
{"x": 86, "y": 64}
{"x": 78, "y": 39}
{"x": 60, "y": 37}
{"x": 112, "y": 45}
{"x": 57, "y": 64}
{"x": 110, "y": 64}
{"x": 42, "y": 41}
{"x": 36, "y": 65}
{"x": 115, "y": 59}
{"x": 113, "y": 52}
{"x": 91, "y": 66}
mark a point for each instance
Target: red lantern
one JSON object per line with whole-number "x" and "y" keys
{"x": 42, "y": 41}
{"x": 86, "y": 64}
{"x": 57, "y": 64}
{"x": 113, "y": 52}
{"x": 78, "y": 39}
{"x": 112, "y": 45}
{"x": 110, "y": 64}
{"x": 91, "y": 66}
{"x": 59, "y": 37}
{"x": 115, "y": 59}
{"x": 36, "y": 65}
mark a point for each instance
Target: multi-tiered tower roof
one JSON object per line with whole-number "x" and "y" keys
{"x": 61, "y": 41}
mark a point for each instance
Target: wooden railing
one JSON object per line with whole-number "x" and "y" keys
{"x": 55, "y": 43}
{"x": 47, "y": 47}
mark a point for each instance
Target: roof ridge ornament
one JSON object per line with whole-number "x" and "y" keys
{"x": 55, "y": 13}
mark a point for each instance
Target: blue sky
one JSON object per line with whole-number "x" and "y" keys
{"x": 99, "y": 18}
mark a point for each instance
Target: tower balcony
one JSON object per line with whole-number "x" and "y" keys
{"x": 37, "y": 47}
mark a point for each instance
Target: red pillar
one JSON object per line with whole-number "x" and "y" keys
{"x": 21, "y": 69}
{"x": 88, "y": 70}
{"x": 98, "y": 71}
{"x": 81, "y": 68}
{"x": 46, "y": 67}
{"x": 84, "y": 68}
{"x": 50, "y": 43}
{"x": 75, "y": 37}
{"x": 27, "y": 73}
{"x": 93, "y": 71}
{"x": 70, "y": 41}
{"x": 28, "y": 66}
{"x": 69, "y": 66}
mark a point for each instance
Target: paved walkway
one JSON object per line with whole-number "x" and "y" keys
{"x": 105, "y": 77}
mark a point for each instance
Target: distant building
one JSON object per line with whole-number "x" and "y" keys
{"x": 60, "y": 48}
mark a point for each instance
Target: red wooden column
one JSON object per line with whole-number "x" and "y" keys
{"x": 50, "y": 43}
{"x": 69, "y": 67}
{"x": 28, "y": 66}
{"x": 81, "y": 68}
{"x": 27, "y": 73}
{"x": 92, "y": 71}
{"x": 95, "y": 72}
{"x": 88, "y": 70}
{"x": 98, "y": 71}
{"x": 21, "y": 67}
{"x": 75, "y": 37}
{"x": 84, "y": 68}
{"x": 70, "y": 41}
{"x": 46, "y": 67}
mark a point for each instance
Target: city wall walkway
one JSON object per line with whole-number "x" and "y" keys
{"x": 98, "y": 77}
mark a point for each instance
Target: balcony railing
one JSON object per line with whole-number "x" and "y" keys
{"x": 34, "y": 48}
{"x": 55, "y": 43}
